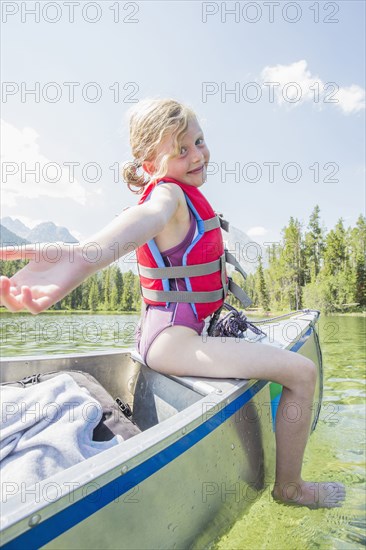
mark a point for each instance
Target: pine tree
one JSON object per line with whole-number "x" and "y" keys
{"x": 250, "y": 288}
{"x": 273, "y": 276}
{"x": 107, "y": 288}
{"x": 261, "y": 286}
{"x": 93, "y": 294}
{"x": 335, "y": 255}
{"x": 136, "y": 293}
{"x": 8, "y": 269}
{"x": 292, "y": 260}
{"x": 114, "y": 299}
{"x": 118, "y": 281}
{"x": 76, "y": 298}
{"x": 115, "y": 288}
{"x": 314, "y": 246}
{"x": 128, "y": 288}
{"x": 357, "y": 243}
{"x": 85, "y": 291}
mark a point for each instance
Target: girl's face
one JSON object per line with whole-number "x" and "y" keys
{"x": 190, "y": 165}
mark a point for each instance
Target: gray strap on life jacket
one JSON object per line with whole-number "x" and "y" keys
{"x": 230, "y": 258}
{"x": 215, "y": 222}
{"x": 211, "y": 223}
{"x": 224, "y": 223}
{"x": 184, "y": 296}
{"x": 195, "y": 271}
{"x": 239, "y": 293}
{"x": 180, "y": 271}
{"x": 235, "y": 289}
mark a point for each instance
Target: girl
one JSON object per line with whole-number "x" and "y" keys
{"x": 168, "y": 144}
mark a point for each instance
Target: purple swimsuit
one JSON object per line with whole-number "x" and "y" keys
{"x": 158, "y": 318}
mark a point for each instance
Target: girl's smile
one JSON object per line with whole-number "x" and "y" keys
{"x": 197, "y": 170}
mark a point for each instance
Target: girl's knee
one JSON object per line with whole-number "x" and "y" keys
{"x": 309, "y": 372}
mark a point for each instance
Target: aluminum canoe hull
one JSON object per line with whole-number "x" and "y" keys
{"x": 205, "y": 454}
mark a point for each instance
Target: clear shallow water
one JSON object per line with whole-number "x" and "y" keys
{"x": 336, "y": 451}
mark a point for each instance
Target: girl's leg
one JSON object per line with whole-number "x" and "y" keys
{"x": 181, "y": 352}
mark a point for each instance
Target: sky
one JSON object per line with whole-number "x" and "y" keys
{"x": 279, "y": 89}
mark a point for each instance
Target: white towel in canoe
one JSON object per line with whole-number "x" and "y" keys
{"x": 46, "y": 428}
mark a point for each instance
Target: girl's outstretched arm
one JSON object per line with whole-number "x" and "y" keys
{"x": 45, "y": 280}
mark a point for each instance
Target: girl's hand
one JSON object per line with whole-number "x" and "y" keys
{"x": 42, "y": 282}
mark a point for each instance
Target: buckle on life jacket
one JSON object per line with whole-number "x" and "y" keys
{"x": 224, "y": 224}
{"x": 224, "y": 282}
{"x": 231, "y": 286}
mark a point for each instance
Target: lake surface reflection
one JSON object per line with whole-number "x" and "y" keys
{"x": 48, "y": 333}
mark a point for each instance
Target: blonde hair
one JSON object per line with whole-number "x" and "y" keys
{"x": 151, "y": 120}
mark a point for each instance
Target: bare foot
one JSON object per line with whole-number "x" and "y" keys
{"x": 314, "y": 495}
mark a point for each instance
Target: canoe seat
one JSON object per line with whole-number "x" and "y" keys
{"x": 200, "y": 385}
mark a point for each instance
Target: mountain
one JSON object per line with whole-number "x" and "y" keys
{"x": 9, "y": 238}
{"x": 245, "y": 250}
{"x": 13, "y": 231}
{"x": 46, "y": 232}
{"x": 15, "y": 226}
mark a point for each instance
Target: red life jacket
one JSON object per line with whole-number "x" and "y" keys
{"x": 203, "y": 264}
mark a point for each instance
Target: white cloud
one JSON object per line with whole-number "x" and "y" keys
{"x": 351, "y": 99}
{"x": 257, "y": 231}
{"x": 308, "y": 87}
{"x": 20, "y": 153}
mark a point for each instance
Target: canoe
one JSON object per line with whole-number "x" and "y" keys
{"x": 206, "y": 452}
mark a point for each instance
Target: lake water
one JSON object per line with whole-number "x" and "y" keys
{"x": 336, "y": 450}
{"x": 24, "y": 334}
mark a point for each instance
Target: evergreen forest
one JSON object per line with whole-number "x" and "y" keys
{"x": 310, "y": 268}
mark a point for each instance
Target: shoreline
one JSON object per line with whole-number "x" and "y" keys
{"x": 72, "y": 312}
{"x": 252, "y": 313}
{"x": 332, "y": 314}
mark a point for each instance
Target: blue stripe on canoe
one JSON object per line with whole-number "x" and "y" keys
{"x": 302, "y": 340}
{"x": 90, "y": 504}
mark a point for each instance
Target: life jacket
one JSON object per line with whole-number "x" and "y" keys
{"x": 203, "y": 265}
